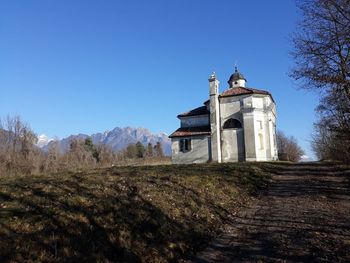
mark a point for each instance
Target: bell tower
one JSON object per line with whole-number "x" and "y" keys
{"x": 215, "y": 118}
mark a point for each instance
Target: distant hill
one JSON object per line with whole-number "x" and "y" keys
{"x": 118, "y": 139}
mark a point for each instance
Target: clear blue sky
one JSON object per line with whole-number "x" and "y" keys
{"x": 69, "y": 67}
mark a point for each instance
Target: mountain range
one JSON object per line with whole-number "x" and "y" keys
{"x": 117, "y": 139}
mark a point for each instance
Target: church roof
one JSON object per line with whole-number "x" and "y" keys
{"x": 197, "y": 111}
{"x": 191, "y": 131}
{"x": 243, "y": 91}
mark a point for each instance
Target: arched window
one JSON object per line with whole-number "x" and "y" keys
{"x": 232, "y": 124}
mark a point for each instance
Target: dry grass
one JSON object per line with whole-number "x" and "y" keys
{"x": 122, "y": 214}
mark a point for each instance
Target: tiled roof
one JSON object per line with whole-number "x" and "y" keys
{"x": 191, "y": 131}
{"x": 242, "y": 91}
{"x": 197, "y": 111}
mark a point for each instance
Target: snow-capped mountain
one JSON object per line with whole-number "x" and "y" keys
{"x": 43, "y": 140}
{"x": 119, "y": 138}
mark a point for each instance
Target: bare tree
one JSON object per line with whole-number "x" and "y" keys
{"x": 131, "y": 151}
{"x": 322, "y": 45}
{"x": 18, "y": 152}
{"x": 158, "y": 149}
{"x": 288, "y": 148}
{"x": 140, "y": 150}
{"x": 79, "y": 156}
{"x": 106, "y": 155}
{"x": 53, "y": 158}
{"x": 331, "y": 139}
{"x": 322, "y": 57}
{"x": 149, "y": 150}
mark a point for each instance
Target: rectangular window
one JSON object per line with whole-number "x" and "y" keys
{"x": 260, "y": 125}
{"x": 185, "y": 145}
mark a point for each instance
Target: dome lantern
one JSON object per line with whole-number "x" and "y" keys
{"x": 237, "y": 79}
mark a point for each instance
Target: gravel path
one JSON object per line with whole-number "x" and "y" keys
{"x": 304, "y": 216}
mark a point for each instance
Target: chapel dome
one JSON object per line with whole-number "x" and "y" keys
{"x": 236, "y": 76}
{"x": 237, "y": 79}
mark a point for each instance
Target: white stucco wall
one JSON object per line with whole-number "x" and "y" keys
{"x": 249, "y": 135}
{"x": 230, "y": 108}
{"x": 259, "y": 111}
{"x": 248, "y": 102}
{"x": 270, "y": 106}
{"x": 232, "y": 140}
{"x": 195, "y": 121}
{"x": 270, "y": 110}
{"x": 273, "y": 142}
{"x": 268, "y": 152}
{"x": 239, "y": 83}
{"x": 260, "y": 130}
{"x": 200, "y": 150}
{"x": 233, "y": 145}
{"x": 258, "y": 103}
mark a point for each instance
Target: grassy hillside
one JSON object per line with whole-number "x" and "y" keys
{"x": 134, "y": 214}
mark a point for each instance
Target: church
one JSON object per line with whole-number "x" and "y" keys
{"x": 237, "y": 125}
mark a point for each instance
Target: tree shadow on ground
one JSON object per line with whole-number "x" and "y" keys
{"x": 311, "y": 180}
{"x": 302, "y": 217}
{"x": 75, "y": 221}
{"x": 124, "y": 214}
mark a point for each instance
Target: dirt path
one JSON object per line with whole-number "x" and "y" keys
{"x": 303, "y": 217}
